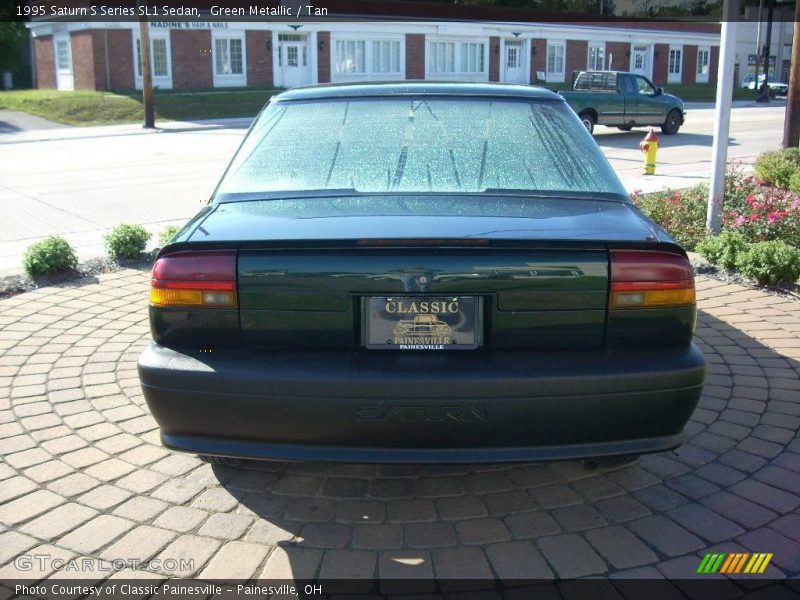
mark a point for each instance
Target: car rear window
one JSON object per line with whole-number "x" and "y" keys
{"x": 419, "y": 144}
{"x": 605, "y": 82}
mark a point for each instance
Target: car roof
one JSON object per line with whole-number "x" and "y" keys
{"x": 416, "y": 88}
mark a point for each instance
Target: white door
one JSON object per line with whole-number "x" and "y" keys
{"x": 514, "y": 62}
{"x": 675, "y": 65}
{"x": 293, "y": 60}
{"x": 63, "y": 59}
{"x": 639, "y": 60}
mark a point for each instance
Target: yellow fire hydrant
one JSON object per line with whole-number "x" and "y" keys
{"x": 649, "y": 146}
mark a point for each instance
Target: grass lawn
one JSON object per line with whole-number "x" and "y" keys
{"x": 106, "y": 108}
{"x": 706, "y": 93}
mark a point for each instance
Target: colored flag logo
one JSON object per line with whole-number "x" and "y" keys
{"x": 735, "y": 563}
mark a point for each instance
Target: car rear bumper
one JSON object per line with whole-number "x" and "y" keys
{"x": 431, "y": 407}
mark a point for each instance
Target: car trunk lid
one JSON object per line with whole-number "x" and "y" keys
{"x": 540, "y": 273}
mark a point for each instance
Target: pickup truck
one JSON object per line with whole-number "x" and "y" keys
{"x": 623, "y": 100}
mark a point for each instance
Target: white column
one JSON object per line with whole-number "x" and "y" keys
{"x": 722, "y": 117}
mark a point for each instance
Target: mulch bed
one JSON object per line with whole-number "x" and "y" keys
{"x": 790, "y": 291}
{"x": 85, "y": 274}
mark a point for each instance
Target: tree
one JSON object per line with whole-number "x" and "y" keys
{"x": 791, "y": 127}
{"x": 13, "y": 38}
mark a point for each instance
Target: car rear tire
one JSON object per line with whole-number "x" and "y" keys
{"x": 588, "y": 120}
{"x": 672, "y": 123}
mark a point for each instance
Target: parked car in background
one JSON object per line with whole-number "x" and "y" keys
{"x": 421, "y": 272}
{"x": 776, "y": 88}
{"x": 623, "y": 100}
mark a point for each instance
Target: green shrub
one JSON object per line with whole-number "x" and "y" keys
{"x": 794, "y": 182}
{"x": 168, "y": 234}
{"x": 723, "y": 249}
{"x": 777, "y": 167}
{"x": 53, "y": 255}
{"x": 127, "y": 241}
{"x": 770, "y": 262}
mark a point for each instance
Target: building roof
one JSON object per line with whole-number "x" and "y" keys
{"x": 416, "y": 88}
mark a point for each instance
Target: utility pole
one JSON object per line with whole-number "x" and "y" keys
{"x": 147, "y": 75}
{"x": 722, "y": 116}
{"x": 791, "y": 123}
{"x": 763, "y": 94}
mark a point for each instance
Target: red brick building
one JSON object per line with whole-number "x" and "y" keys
{"x": 235, "y": 54}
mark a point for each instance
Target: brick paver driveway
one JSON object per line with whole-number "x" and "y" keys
{"x": 83, "y": 473}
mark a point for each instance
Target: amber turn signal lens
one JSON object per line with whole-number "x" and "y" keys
{"x": 653, "y": 298}
{"x": 170, "y": 297}
{"x": 166, "y": 297}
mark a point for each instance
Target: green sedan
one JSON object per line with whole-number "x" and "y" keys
{"x": 421, "y": 272}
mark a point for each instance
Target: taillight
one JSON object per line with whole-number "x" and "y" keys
{"x": 650, "y": 279}
{"x": 195, "y": 279}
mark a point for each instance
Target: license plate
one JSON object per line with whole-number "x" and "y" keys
{"x": 422, "y": 322}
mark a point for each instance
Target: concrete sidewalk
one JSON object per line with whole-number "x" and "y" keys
{"x": 738, "y": 104}
{"x": 65, "y": 132}
{"x": 12, "y": 121}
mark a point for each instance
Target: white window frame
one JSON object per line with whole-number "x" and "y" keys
{"x": 556, "y": 76}
{"x": 161, "y": 81}
{"x": 67, "y": 55}
{"x": 228, "y": 79}
{"x": 371, "y": 68}
{"x": 354, "y": 52}
{"x": 375, "y": 60}
{"x": 674, "y": 76}
{"x": 592, "y": 66}
{"x": 701, "y": 77}
{"x": 461, "y": 54}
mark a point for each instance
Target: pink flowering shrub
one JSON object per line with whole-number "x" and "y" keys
{"x": 754, "y": 208}
{"x": 761, "y": 212}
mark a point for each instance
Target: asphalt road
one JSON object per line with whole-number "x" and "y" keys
{"x": 685, "y": 159}
{"x": 80, "y": 182}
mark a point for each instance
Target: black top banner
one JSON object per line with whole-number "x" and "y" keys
{"x": 522, "y": 11}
